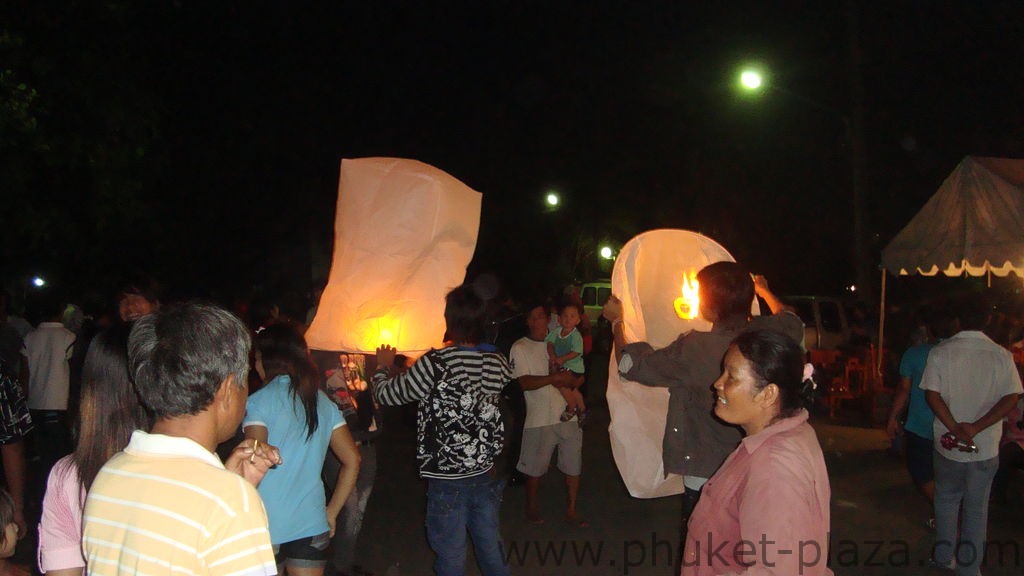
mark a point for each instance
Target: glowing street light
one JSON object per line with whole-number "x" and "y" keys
{"x": 754, "y": 83}
{"x": 552, "y": 199}
{"x": 38, "y": 282}
{"x": 606, "y": 252}
{"x": 751, "y": 80}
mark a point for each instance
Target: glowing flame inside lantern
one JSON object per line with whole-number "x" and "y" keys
{"x": 385, "y": 330}
{"x": 688, "y": 305}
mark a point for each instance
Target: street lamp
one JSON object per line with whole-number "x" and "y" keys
{"x": 38, "y": 281}
{"x": 607, "y": 253}
{"x": 552, "y": 199}
{"x": 753, "y": 80}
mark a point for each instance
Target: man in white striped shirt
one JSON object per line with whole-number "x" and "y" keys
{"x": 166, "y": 504}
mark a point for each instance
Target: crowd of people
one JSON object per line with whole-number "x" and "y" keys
{"x": 205, "y": 445}
{"x": 960, "y": 392}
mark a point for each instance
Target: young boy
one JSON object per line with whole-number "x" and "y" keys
{"x": 565, "y": 351}
{"x": 460, "y": 433}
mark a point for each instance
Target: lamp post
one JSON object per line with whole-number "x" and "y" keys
{"x": 756, "y": 81}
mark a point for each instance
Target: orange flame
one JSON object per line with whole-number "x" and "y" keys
{"x": 687, "y": 306}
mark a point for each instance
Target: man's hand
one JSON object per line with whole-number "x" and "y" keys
{"x": 964, "y": 431}
{"x": 612, "y": 310}
{"x": 386, "y": 356}
{"x": 892, "y": 428}
{"x": 251, "y": 460}
{"x": 563, "y": 379}
{"x": 332, "y": 522}
{"x": 760, "y": 285}
{"x": 970, "y": 429}
{"x": 762, "y": 291}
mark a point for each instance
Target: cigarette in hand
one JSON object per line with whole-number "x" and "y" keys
{"x": 255, "y": 445}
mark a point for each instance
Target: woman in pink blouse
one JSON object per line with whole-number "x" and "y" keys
{"x": 766, "y": 510}
{"x": 108, "y": 414}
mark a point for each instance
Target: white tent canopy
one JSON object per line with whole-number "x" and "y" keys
{"x": 973, "y": 224}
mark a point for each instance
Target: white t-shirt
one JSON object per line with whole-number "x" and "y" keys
{"x": 544, "y": 406}
{"x": 48, "y": 349}
{"x": 972, "y": 373}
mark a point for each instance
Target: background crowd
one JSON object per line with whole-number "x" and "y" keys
{"x": 81, "y": 408}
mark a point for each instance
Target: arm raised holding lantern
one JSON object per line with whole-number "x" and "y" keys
{"x": 409, "y": 386}
{"x": 612, "y": 312}
{"x": 694, "y": 443}
{"x": 774, "y": 303}
{"x": 639, "y": 361}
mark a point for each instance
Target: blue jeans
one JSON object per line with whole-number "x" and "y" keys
{"x": 455, "y": 506}
{"x": 967, "y": 482}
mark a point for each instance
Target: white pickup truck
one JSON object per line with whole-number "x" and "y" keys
{"x": 825, "y": 323}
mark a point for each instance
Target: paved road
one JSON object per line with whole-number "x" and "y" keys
{"x": 877, "y": 517}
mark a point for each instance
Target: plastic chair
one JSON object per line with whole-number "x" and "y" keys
{"x": 850, "y": 385}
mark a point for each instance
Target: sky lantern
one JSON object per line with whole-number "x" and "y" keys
{"x": 655, "y": 276}
{"x": 404, "y": 233}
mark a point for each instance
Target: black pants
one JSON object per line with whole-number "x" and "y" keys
{"x": 52, "y": 441}
{"x": 1011, "y": 456}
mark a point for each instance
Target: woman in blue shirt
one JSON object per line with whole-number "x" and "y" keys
{"x": 291, "y": 412}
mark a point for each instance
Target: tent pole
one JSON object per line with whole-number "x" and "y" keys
{"x": 988, "y": 277}
{"x": 881, "y": 330}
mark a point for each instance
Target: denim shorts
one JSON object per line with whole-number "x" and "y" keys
{"x": 308, "y": 552}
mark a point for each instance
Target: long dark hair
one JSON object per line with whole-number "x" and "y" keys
{"x": 283, "y": 352}
{"x": 110, "y": 409}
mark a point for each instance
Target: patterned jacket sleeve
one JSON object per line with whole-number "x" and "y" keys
{"x": 410, "y": 386}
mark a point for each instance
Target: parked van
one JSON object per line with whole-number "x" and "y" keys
{"x": 594, "y": 295}
{"x": 825, "y": 322}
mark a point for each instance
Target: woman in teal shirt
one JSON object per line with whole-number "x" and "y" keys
{"x": 292, "y": 413}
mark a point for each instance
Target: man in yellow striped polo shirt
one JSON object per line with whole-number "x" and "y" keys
{"x": 166, "y": 504}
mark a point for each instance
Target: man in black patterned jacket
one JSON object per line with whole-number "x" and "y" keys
{"x": 460, "y": 433}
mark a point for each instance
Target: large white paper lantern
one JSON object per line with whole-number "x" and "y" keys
{"x": 403, "y": 235}
{"x": 655, "y": 277}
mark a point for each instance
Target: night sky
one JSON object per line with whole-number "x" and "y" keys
{"x": 200, "y": 141}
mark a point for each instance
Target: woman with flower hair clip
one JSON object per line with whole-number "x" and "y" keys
{"x": 769, "y": 502}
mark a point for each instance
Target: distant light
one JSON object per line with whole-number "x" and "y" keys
{"x": 751, "y": 79}
{"x": 606, "y": 252}
{"x": 852, "y": 288}
{"x": 38, "y": 282}
{"x": 552, "y": 199}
